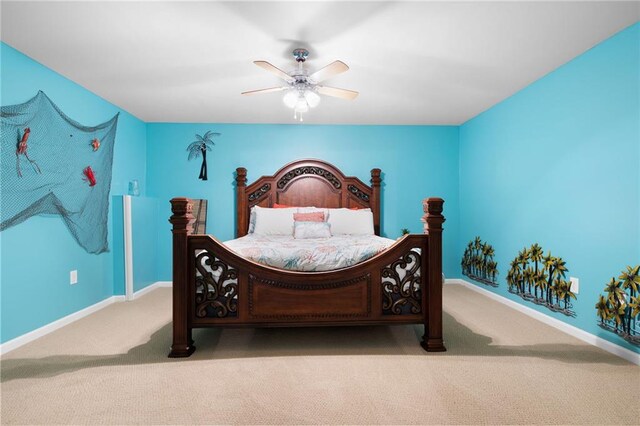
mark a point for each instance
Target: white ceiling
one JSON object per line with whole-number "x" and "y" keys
{"x": 412, "y": 62}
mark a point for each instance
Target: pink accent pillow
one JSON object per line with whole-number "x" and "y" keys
{"x": 309, "y": 217}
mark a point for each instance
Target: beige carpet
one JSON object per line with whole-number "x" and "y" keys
{"x": 501, "y": 367}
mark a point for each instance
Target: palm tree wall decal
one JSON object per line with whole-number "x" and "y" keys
{"x": 478, "y": 264}
{"x": 199, "y": 147}
{"x": 546, "y": 274}
{"x": 618, "y": 311}
{"x": 536, "y": 253}
{"x": 604, "y": 309}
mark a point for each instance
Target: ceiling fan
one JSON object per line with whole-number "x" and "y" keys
{"x": 303, "y": 90}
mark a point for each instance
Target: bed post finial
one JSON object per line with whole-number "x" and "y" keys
{"x": 241, "y": 176}
{"x": 182, "y": 221}
{"x": 432, "y": 300}
{"x": 376, "y": 180}
{"x": 242, "y": 210}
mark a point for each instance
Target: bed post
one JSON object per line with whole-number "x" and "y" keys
{"x": 432, "y": 296}
{"x": 182, "y": 219}
{"x": 241, "y": 202}
{"x": 375, "y": 199}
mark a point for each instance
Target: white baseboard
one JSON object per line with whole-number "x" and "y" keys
{"x": 55, "y": 325}
{"x": 151, "y": 287}
{"x": 576, "y": 332}
{"x": 455, "y": 281}
{"x": 15, "y": 343}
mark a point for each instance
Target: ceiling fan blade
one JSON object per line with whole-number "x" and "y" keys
{"x": 260, "y": 91}
{"x": 338, "y": 93}
{"x": 333, "y": 69}
{"x": 274, "y": 70}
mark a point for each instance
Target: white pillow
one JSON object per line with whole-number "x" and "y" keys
{"x": 351, "y": 222}
{"x": 274, "y": 221}
{"x": 303, "y": 229}
{"x": 252, "y": 220}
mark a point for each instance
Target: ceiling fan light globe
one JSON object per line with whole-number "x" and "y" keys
{"x": 290, "y": 98}
{"x": 302, "y": 105}
{"x": 312, "y": 98}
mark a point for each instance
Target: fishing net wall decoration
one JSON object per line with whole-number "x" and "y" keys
{"x": 50, "y": 164}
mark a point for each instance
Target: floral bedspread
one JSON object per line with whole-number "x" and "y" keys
{"x": 309, "y": 254}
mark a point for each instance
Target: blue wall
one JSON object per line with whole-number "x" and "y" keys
{"x": 416, "y": 161}
{"x": 558, "y": 164}
{"x": 38, "y": 254}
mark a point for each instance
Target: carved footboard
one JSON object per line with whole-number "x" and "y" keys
{"x": 214, "y": 287}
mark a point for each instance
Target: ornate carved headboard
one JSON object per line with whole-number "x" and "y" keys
{"x": 306, "y": 183}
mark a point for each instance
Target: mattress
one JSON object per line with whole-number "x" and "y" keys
{"x": 324, "y": 254}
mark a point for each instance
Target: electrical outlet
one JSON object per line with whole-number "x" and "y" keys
{"x": 575, "y": 285}
{"x": 73, "y": 277}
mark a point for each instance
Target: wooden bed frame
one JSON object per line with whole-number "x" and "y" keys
{"x": 401, "y": 285}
